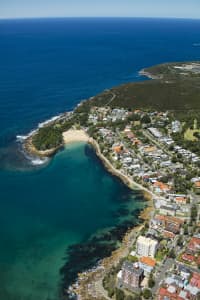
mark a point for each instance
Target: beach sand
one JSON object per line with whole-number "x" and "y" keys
{"x": 74, "y": 135}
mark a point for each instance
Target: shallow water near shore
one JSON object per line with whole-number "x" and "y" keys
{"x": 60, "y": 205}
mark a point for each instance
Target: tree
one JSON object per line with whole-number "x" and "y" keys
{"x": 151, "y": 281}
{"x": 185, "y": 227}
{"x": 180, "y": 241}
{"x": 111, "y": 292}
{"x": 119, "y": 294}
{"x": 129, "y": 297}
{"x": 133, "y": 259}
{"x": 147, "y": 294}
{"x": 193, "y": 213}
{"x": 146, "y": 119}
{"x": 47, "y": 137}
{"x": 198, "y": 296}
{"x": 172, "y": 253}
{"x": 137, "y": 297}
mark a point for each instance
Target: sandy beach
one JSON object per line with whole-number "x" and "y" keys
{"x": 74, "y": 135}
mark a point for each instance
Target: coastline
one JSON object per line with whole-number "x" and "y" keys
{"x": 94, "y": 277}
{"x": 90, "y": 282}
{"x": 30, "y": 148}
{"x": 149, "y": 75}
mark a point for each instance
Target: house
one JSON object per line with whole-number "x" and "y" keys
{"x": 146, "y": 246}
{"x": 176, "y": 126}
{"x": 180, "y": 287}
{"x": 130, "y": 136}
{"x": 169, "y": 223}
{"x": 168, "y": 235}
{"x": 197, "y": 185}
{"x": 194, "y": 244}
{"x": 117, "y": 149}
{"x": 127, "y": 130}
{"x": 184, "y": 271}
{"x": 130, "y": 276}
{"x": 170, "y": 293}
{"x": 149, "y": 149}
{"x": 136, "y": 142}
{"x": 161, "y": 187}
{"x": 195, "y": 280}
{"x": 155, "y": 132}
{"x": 188, "y": 257}
{"x": 180, "y": 200}
{"x": 167, "y": 210}
{"x": 147, "y": 264}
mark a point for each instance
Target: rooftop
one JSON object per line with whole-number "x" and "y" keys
{"x": 148, "y": 261}
{"x": 132, "y": 268}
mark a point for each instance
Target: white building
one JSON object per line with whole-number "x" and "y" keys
{"x": 155, "y": 132}
{"x": 146, "y": 246}
{"x": 176, "y": 126}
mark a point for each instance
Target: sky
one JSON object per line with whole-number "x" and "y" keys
{"x": 99, "y": 8}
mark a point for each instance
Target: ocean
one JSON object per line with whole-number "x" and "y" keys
{"x": 49, "y": 212}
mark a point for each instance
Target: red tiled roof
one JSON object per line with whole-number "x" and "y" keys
{"x": 194, "y": 244}
{"x": 188, "y": 257}
{"x": 163, "y": 292}
{"x": 162, "y": 186}
{"x": 168, "y": 234}
{"x": 169, "y": 219}
{"x": 180, "y": 199}
{"x": 195, "y": 280}
{"x": 148, "y": 261}
{"x": 117, "y": 149}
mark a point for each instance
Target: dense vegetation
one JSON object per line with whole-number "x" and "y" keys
{"x": 172, "y": 91}
{"x": 47, "y": 137}
{"x": 180, "y": 94}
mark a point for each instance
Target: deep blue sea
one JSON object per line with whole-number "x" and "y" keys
{"x": 49, "y": 213}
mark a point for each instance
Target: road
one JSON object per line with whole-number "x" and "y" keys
{"x": 161, "y": 273}
{"x": 113, "y": 98}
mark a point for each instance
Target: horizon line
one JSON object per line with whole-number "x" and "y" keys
{"x": 95, "y": 17}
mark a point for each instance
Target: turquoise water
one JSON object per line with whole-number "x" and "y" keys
{"x": 59, "y": 205}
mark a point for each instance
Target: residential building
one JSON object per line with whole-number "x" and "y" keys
{"x": 194, "y": 244}
{"x": 147, "y": 264}
{"x": 169, "y": 223}
{"x": 146, "y": 246}
{"x": 130, "y": 276}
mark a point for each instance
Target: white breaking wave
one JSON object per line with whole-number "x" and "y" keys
{"x": 34, "y": 160}
{"x": 42, "y": 124}
{"x": 39, "y": 161}
{"x": 21, "y": 138}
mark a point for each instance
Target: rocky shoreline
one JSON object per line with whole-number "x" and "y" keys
{"x": 31, "y": 149}
{"x": 149, "y": 75}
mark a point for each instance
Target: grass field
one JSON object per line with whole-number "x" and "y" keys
{"x": 189, "y": 134}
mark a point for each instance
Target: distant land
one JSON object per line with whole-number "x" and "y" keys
{"x": 173, "y": 86}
